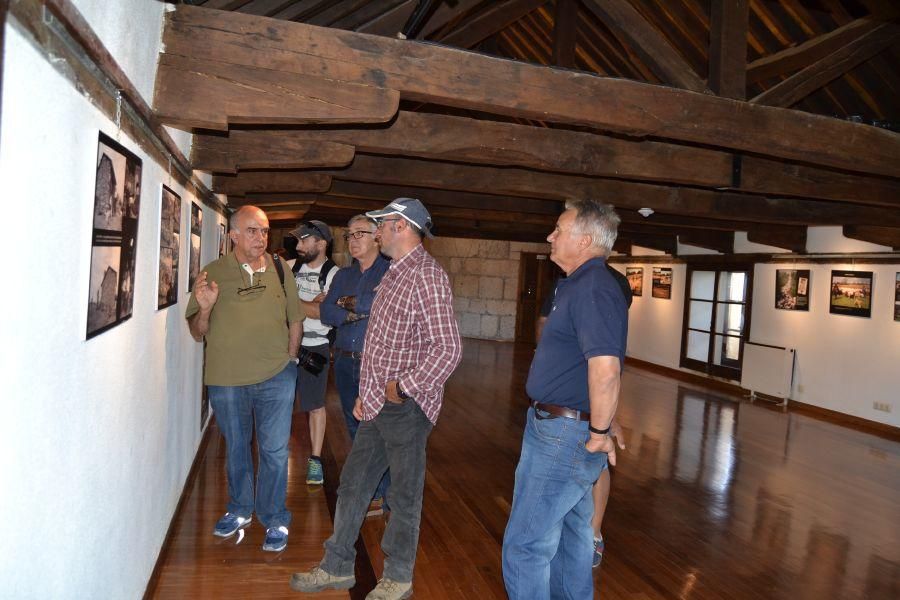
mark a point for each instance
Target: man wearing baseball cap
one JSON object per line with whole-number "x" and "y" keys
{"x": 313, "y": 278}
{"x": 412, "y": 346}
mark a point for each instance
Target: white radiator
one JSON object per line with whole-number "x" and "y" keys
{"x": 767, "y": 370}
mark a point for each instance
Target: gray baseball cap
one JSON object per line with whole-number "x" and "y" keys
{"x": 316, "y": 228}
{"x": 410, "y": 209}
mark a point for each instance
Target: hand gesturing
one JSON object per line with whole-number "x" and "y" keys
{"x": 206, "y": 292}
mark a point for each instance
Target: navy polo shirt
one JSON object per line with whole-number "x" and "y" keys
{"x": 589, "y": 318}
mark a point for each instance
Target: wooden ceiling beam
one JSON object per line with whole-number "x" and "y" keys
{"x": 444, "y": 14}
{"x": 389, "y": 22}
{"x": 264, "y": 8}
{"x": 442, "y": 137}
{"x": 665, "y": 199}
{"x": 886, "y": 236}
{"x": 488, "y": 22}
{"x": 723, "y": 241}
{"x": 442, "y": 75}
{"x": 270, "y": 182}
{"x": 729, "y": 21}
{"x": 206, "y": 94}
{"x": 793, "y": 241}
{"x": 803, "y": 55}
{"x": 565, "y": 29}
{"x": 635, "y": 32}
{"x": 666, "y": 243}
{"x": 798, "y": 86}
{"x": 238, "y": 151}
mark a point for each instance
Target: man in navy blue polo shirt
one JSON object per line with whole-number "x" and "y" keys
{"x": 573, "y": 385}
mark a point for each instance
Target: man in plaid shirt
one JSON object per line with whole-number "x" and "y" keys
{"x": 412, "y": 346}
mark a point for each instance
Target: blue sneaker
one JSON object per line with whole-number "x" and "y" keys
{"x": 599, "y": 547}
{"x": 314, "y": 473}
{"x": 229, "y": 524}
{"x": 276, "y": 539}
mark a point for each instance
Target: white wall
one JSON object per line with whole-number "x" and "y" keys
{"x": 843, "y": 363}
{"x": 98, "y": 435}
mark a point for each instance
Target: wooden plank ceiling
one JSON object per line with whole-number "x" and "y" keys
{"x": 757, "y": 116}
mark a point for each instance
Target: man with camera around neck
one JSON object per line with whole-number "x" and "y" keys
{"x": 252, "y": 326}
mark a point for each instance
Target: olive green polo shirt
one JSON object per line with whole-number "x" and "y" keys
{"x": 247, "y": 340}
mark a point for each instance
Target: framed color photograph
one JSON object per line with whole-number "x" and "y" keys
{"x": 897, "y": 298}
{"x": 662, "y": 283}
{"x": 169, "y": 247}
{"x": 194, "y": 256}
{"x": 635, "y": 276}
{"x": 851, "y": 293}
{"x": 117, "y": 199}
{"x": 792, "y": 289}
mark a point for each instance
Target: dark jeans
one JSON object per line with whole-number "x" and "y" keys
{"x": 268, "y": 404}
{"x": 395, "y": 438}
{"x": 346, "y": 376}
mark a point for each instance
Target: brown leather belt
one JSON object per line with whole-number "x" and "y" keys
{"x": 560, "y": 411}
{"x": 356, "y": 355}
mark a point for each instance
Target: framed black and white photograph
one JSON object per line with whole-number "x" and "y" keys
{"x": 792, "y": 289}
{"x": 851, "y": 293}
{"x": 194, "y": 256}
{"x": 222, "y": 238}
{"x": 897, "y": 298}
{"x": 635, "y": 277}
{"x": 117, "y": 203}
{"x": 662, "y": 283}
{"x": 169, "y": 247}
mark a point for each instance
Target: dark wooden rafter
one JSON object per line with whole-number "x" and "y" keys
{"x": 534, "y": 184}
{"x": 450, "y": 138}
{"x": 486, "y": 23}
{"x": 268, "y": 182}
{"x": 723, "y": 241}
{"x": 798, "y": 86}
{"x": 728, "y": 48}
{"x": 795, "y": 241}
{"x": 212, "y": 95}
{"x": 645, "y": 40}
{"x": 885, "y": 236}
{"x": 565, "y": 24}
{"x": 452, "y": 77}
{"x": 264, "y": 8}
{"x": 803, "y": 55}
{"x": 221, "y": 154}
{"x": 665, "y": 243}
{"x": 389, "y": 22}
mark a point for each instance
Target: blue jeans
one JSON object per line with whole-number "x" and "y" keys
{"x": 346, "y": 376}
{"x": 548, "y": 544}
{"x": 269, "y": 403}
{"x": 396, "y": 437}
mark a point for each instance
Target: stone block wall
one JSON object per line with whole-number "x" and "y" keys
{"x": 485, "y": 279}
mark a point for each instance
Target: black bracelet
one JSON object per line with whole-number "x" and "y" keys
{"x": 593, "y": 429}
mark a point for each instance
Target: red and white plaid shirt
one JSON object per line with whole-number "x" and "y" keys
{"x": 412, "y": 335}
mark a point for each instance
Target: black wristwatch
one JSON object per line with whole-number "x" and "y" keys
{"x": 403, "y": 395}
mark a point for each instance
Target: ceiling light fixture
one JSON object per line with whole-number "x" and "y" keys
{"x": 645, "y": 212}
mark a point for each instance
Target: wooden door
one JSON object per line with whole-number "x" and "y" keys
{"x": 537, "y": 278}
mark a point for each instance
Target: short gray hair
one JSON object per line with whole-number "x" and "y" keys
{"x": 597, "y": 220}
{"x": 361, "y": 218}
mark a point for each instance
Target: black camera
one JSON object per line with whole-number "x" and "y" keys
{"x": 311, "y": 361}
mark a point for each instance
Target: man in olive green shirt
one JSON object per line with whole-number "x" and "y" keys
{"x": 252, "y": 325}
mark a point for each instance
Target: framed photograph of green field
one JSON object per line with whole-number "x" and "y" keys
{"x": 851, "y": 293}
{"x": 792, "y": 289}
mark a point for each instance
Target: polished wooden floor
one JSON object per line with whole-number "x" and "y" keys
{"x": 714, "y": 498}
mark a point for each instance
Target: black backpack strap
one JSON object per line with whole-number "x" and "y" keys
{"x": 280, "y": 268}
{"x": 327, "y": 266}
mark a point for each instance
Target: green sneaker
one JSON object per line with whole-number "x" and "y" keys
{"x": 388, "y": 589}
{"x": 319, "y": 580}
{"x": 314, "y": 473}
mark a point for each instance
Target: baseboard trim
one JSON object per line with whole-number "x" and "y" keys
{"x": 881, "y": 430}
{"x": 188, "y": 483}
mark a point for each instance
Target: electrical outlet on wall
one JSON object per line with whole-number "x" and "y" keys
{"x": 882, "y": 406}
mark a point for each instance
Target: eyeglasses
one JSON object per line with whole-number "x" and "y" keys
{"x": 256, "y": 231}
{"x": 253, "y": 289}
{"x": 383, "y": 221}
{"x": 356, "y": 235}
{"x": 311, "y": 225}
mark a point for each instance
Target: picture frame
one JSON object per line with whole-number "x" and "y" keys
{"x": 222, "y": 240}
{"x": 195, "y": 237}
{"x": 635, "y": 276}
{"x": 662, "y": 283}
{"x": 897, "y": 297}
{"x": 117, "y": 199}
{"x": 169, "y": 248}
{"x": 792, "y": 289}
{"x": 851, "y": 293}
